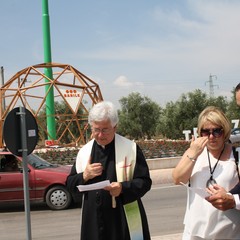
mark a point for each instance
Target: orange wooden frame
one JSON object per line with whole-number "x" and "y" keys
{"x": 27, "y": 88}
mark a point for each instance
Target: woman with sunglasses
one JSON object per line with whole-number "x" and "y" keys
{"x": 220, "y": 198}
{"x": 209, "y": 160}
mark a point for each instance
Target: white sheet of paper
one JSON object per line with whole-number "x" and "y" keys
{"x": 200, "y": 191}
{"x": 94, "y": 186}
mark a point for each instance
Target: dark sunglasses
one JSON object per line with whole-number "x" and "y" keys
{"x": 216, "y": 132}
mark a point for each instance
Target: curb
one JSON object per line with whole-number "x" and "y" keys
{"x": 161, "y": 176}
{"x": 177, "y": 236}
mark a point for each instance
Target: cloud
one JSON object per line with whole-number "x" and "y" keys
{"x": 122, "y": 81}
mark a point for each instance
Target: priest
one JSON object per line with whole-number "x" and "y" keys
{"x": 115, "y": 212}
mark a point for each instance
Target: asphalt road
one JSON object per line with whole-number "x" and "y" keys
{"x": 165, "y": 207}
{"x": 164, "y": 204}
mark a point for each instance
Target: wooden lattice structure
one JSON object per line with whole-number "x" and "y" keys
{"x": 77, "y": 92}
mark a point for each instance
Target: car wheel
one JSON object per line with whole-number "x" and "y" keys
{"x": 58, "y": 198}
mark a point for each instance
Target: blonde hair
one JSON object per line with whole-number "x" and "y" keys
{"x": 217, "y": 117}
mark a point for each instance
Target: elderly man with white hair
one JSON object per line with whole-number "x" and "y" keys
{"x": 115, "y": 212}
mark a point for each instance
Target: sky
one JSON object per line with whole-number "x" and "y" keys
{"x": 158, "y": 48}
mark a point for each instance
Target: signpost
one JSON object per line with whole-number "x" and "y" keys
{"x": 20, "y": 133}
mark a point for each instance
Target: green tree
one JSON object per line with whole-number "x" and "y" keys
{"x": 183, "y": 114}
{"x": 138, "y": 116}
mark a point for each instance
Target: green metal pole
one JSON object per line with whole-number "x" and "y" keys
{"x": 50, "y": 111}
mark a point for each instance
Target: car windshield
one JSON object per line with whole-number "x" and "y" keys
{"x": 236, "y": 131}
{"x": 39, "y": 163}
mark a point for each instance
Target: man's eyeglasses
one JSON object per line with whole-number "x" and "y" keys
{"x": 216, "y": 132}
{"x": 103, "y": 131}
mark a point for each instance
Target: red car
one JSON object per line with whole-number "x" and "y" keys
{"x": 46, "y": 181}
